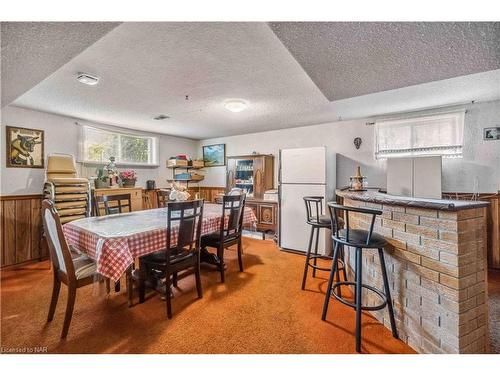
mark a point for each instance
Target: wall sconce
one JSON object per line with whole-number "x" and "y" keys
{"x": 357, "y": 142}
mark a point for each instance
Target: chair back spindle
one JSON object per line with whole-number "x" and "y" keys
{"x": 113, "y": 204}
{"x": 344, "y": 237}
{"x": 233, "y": 208}
{"x": 163, "y": 197}
{"x": 314, "y": 209}
{"x": 188, "y": 216}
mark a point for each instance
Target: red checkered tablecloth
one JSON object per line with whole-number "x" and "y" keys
{"x": 114, "y": 241}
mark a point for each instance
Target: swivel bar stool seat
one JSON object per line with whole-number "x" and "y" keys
{"x": 359, "y": 239}
{"x": 317, "y": 221}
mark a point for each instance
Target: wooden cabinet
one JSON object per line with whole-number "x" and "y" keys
{"x": 135, "y": 196}
{"x": 21, "y": 229}
{"x": 266, "y": 213}
{"x": 252, "y": 173}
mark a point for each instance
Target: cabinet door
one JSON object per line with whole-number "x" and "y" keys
{"x": 253, "y": 207}
{"x": 136, "y": 199}
{"x": 258, "y": 177}
{"x": 230, "y": 174}
{"x": 267, "y": 214}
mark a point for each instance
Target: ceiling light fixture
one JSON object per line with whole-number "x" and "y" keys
{"x": 235, "y": 105}
{"x": 161, "y": 117}
{"x": 87, "y": 79}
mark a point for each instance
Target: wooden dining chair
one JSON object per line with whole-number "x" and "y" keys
{"x": 113, "y": 204}
{"x": 163, "y": 197}
{"x": 182, "y": 250}
{"x": 230, "y": 230}
{"x": 116, "y": 204}
{"x": 74, "y": 272}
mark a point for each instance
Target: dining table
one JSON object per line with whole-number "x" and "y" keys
{"x": 115, "y": 241}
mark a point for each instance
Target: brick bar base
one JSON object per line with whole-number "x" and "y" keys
{"x": 436, "y": 263}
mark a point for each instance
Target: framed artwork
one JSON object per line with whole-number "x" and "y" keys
{"x": 214, "y": 155}
{"x": 24, "y": 148}
{"x": 491, "y": 134}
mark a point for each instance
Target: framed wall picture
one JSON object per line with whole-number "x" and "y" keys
{"x": 214, "y": 155}
{"x": 24, "y": 147}
{"x": 491, "y": 134}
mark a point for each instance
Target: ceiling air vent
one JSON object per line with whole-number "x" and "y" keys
{"x": 161, "y": 117}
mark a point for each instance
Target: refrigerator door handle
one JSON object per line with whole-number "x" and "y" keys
{"x": 279, "y": 171}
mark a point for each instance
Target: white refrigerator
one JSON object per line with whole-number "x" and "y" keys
{"x": 302, "y": 172}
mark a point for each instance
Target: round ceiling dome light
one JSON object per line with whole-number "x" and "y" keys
{"x": 235, "y": 105}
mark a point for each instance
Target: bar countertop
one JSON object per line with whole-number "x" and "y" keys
{"x": 376, "y": 195}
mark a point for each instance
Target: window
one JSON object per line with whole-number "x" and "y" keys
{"x": 437, "y": 134}
{"x": 98, "y": 145}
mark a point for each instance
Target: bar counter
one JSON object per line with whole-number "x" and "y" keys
{"x": 436, "y": 263}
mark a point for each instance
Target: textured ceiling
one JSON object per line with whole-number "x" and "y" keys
{"x": 146, "y": 69}
{"x": 31, "y": 51}
{"x": 348, "y": 59}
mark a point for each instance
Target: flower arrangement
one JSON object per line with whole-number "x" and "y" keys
{"x": 128, "y": 177}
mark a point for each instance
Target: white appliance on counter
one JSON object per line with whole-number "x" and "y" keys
{"x": 418, "y": 177}
{"x": 302, "y": 172}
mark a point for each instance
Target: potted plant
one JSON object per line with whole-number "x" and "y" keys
{"x": 128, "y": 178}
{"x": 102, "y": 180}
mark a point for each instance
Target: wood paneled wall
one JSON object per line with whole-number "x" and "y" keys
{"x": 206, "y": 192}
{"x": 21, "y": 225}
{"x": 21, "y": 229}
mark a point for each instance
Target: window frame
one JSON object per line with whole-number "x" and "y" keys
{"x": 454, "y": 148}
{"x": 153, "y": 147}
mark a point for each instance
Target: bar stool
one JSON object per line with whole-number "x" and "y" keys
{"x": 359, "y": 239}
{"x": 318, "y": 221}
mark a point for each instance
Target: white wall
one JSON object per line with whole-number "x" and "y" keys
{"x": 61, "y": 135}
{"x": 337, "y": 137}
{"x": 478, "y": 170}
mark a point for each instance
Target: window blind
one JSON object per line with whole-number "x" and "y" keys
{"x": 435, "y": 134}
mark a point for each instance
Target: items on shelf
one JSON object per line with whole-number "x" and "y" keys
{"x": 183, "y": 161}
{"x": 182, "y": 176}
{"x": 271, "y": 195}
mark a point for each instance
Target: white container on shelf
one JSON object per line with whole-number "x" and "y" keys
{"x": 271, "y": 195}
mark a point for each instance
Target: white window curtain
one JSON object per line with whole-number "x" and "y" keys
{"x": 433, "y": 134}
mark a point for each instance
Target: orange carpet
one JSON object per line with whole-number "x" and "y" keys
{"x": 262, "y": 310}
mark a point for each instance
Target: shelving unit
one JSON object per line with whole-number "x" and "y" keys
{"x": 186, "y": 168}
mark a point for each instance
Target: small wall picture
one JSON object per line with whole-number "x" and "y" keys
{"x": 214, "y": 155}
{"x": 491, "y": 134}
{"x": 24, "y": 147}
